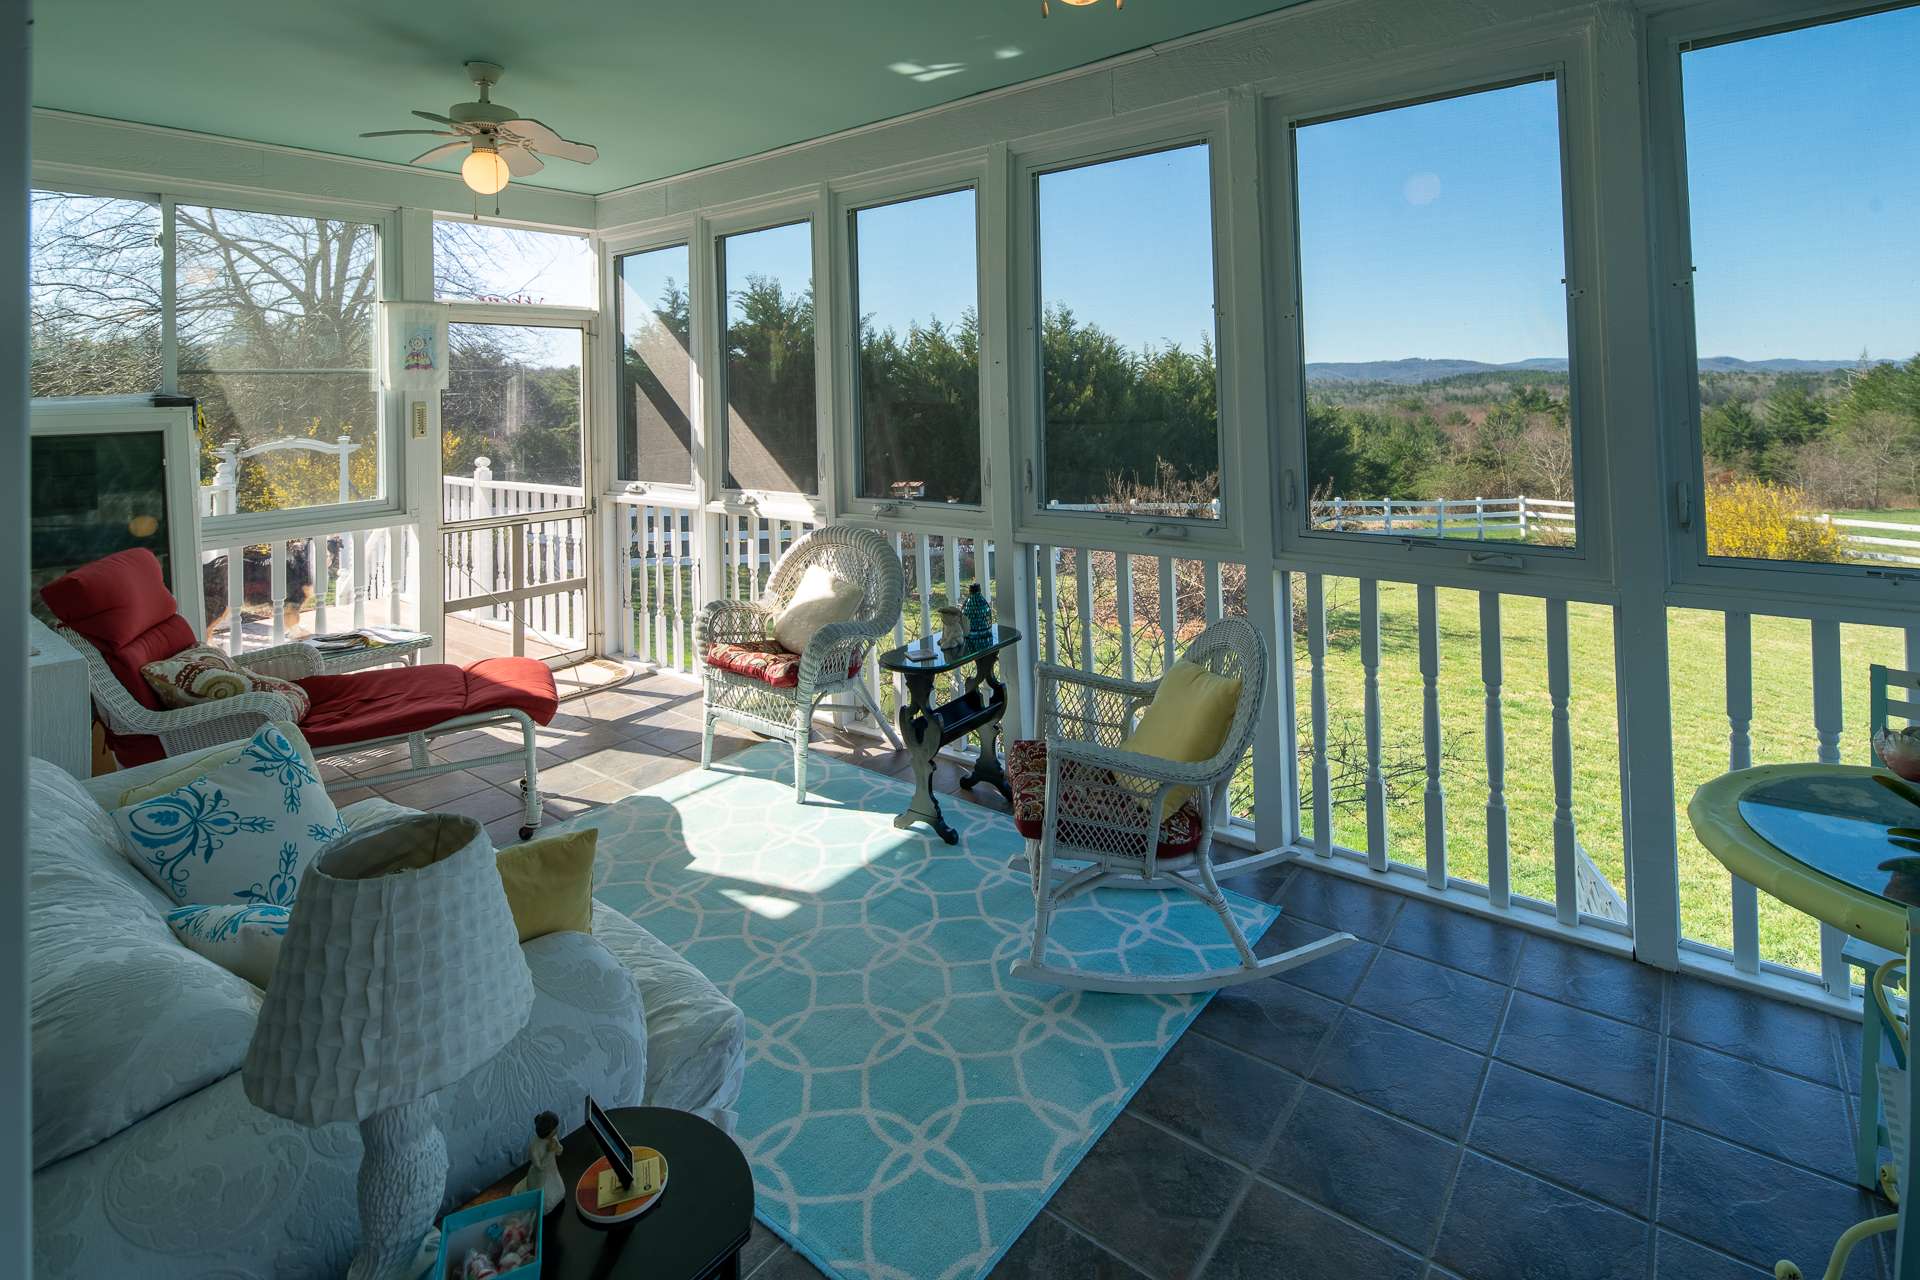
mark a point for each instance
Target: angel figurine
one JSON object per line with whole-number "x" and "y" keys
{"x": 543, "y": 1162}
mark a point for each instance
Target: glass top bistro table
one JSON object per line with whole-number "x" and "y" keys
{"x": 927, "y": 728}
{"x": 1841, "y": 843}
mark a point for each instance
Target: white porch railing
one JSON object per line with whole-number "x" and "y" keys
{"x": 508, "y": 563}
{"x": 259, "y": 594}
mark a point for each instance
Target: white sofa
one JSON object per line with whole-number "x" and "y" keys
{"x": 148, "y": 1159}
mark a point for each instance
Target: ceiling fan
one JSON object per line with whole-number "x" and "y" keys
{"x": 500, "y": 143}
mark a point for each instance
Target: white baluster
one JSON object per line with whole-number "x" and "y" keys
{"x": 277, "y": 590}
{"x": 1049, "y": 601}
{"x": 1566, "y": 869}
{"x": 1169, "y": 615}
{"x": 1210, "y": 575}
{"x": 1376, "y": 782}
{"x": 1436, "y": 796}
{"x": 1317, "y": 665}
{"x": 1083, "y": 602}
{"x": 359, "y": 541}
{"x": 1499, "y": 880}
{"x": 1123, "y": 606}
{"x": 923, "y": 579}
{"x": 236, "y": 598}
{"x": 319, "y": 550}
{"x": 1829, "y": 720}
{"x": 1745, "y": 900}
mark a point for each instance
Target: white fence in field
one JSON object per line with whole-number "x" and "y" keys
{"x": 1519, "y": 516}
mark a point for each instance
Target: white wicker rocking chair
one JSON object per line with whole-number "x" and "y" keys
{"x": 831, "y": 663}
{"x": 1102, "y": 806}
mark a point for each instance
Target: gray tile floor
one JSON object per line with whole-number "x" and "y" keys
{"x": 1452, "y": 1098}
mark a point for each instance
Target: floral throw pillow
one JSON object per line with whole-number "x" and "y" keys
{"x": 204, "y": 674}
{"x": 242, "y": 833}
{"x": 243, "y": 938}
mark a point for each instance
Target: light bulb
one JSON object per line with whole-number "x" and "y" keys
{"x": 484, "y": 171}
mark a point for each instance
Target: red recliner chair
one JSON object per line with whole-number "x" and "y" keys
{"x": 119, "y": 614}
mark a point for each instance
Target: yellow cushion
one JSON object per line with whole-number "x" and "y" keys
{"x": 1191, "y": 712}
{"x": 550, "y": 884}
{"x": 174, "y": 779}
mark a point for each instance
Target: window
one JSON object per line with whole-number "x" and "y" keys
{"x": 767, "y": 278}
{"x": 1434, "y": 320}
{"x": 917, "y": 349}
{"x": 479, "y": 262}
{"x": 275, "y": 318}
{"x": 1803, "y": 197}
{"x": 1129, "y": 385}
{"x": 656, "y": 366}
{"x": 95, "y": 295}
{"x": 511, "y": 416}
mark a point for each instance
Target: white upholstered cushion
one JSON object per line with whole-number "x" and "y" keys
{"x": 820, "y": 599}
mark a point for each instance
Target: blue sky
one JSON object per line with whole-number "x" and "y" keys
{"x": 1436, "y": 230}
{"x": 1803, "y": 159}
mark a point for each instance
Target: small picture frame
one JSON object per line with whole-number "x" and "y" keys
{"x": 507, "y": 1232}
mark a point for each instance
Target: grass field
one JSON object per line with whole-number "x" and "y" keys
{"x": 1782, "y": 729}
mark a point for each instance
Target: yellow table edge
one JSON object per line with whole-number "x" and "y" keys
{"x": 1715, "y": 814}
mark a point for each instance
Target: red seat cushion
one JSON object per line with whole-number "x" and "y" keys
{"x": 121, "y": 604}
{"x": 1027, "y": 777}
{"x": 362, "y": 705}
{"x": 764, "y": 660}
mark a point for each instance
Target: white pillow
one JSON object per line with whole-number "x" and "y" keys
{"x": 243, "y": 938}
{"x": 819, "y": 599}
{"x": 243, "y": 832}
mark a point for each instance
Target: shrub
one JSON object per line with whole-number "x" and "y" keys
{"x": 1755, "y": 520}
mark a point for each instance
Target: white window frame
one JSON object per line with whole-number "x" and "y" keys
{"x": 680, "y": 234}
{"x": 1203, "y": 123}
{"x": 290, "y": 522}
{"x": 1697, "y": 579}
{"x": 439, "y": 216}
{"x": 847, "y": 200}
{"x": 812, "y": 208}
{"x": 1584, "y": 570}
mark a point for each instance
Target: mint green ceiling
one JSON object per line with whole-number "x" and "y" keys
{"x": 661, "y": 86}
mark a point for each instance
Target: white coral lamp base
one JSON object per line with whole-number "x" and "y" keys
{"x": 403, "y": 1176}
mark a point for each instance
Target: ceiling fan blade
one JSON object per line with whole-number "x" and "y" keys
{"x": 548, "y": 143}
{"x": 434, "y": 153}
{"x": 437, "y": 119}
{"x": 521, "y": 163}
{"x": 399, "y": 133}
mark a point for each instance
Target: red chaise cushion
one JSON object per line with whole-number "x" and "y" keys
{"x": 361, "y": 705}
{"x": 121, "y": 604}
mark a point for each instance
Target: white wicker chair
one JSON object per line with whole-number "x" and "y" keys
{"x": 1103, "y": 803}
{"x": 831, "y": 662}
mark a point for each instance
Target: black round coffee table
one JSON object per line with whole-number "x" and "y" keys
{"x": 694, "y": 1231}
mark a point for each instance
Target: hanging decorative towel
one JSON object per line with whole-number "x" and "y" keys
{"x": 415, "y": 346}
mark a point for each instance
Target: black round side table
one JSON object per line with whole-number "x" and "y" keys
{"x": 694, "y": 1232}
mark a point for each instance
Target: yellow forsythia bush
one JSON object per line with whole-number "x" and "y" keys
{"x": 1760, "y": 521}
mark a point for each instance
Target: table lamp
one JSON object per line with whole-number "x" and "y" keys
{"x": 401, "y": 973}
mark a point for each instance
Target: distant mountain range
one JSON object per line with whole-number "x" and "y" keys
{"x": 1409, "y": 372}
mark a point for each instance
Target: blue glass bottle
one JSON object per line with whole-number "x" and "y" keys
{"x": 979, "y": 615}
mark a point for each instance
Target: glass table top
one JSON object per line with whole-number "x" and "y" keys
{"x": 1859, "y": 829}
{"x": 925, "y": 654}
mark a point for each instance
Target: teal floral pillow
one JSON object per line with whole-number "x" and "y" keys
{"x": 242, "y": 833}
{"x": 244, "y": 938}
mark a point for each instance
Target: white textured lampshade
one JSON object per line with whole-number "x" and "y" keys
{"x": 401, "y": 973}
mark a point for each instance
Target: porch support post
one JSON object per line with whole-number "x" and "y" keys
{"x": 1249, "y": 473}
{"x": 1000, "y": 489}
{"x": 414, "y": 282}
{"x": 1617, "y": 355}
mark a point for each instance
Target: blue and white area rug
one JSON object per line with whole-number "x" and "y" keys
{"x": 908, "y": 1107}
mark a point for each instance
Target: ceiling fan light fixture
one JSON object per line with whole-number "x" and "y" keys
{"x": 484, "y": 171}
{"x": 1079, "y": 4}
